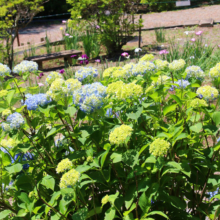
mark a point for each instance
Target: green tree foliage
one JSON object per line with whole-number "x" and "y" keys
{"x": 113, "y": 20}
{"x": 16, "y": 14}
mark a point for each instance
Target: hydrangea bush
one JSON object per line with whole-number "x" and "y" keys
{"x": 142, "y": 143}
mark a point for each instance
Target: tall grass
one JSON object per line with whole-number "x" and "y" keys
{"x": 160, "y": 35}
{"x": 194, "y": 53}
{"x": 72, "y": 41}
{"x": 91, "y": 44}
{"x": 48, "y": 45}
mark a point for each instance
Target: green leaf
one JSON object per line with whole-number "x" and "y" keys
{"x": 81, "y": 214}
{"x": 83, "y": 168}
{"x": 137, "y": 114}
{"x": 24, "y": 198}
{"x": 176, "y": 202}
{"x": 181, "y": 136}
{"x": 56, "y": 216}
{"x": 6, "y": 159}
{"x": 71, "y": 111}
{"x": 150, "y": 159}
{"x": 110, "y": 214}
{"x": 130, "y": 157}
{"x": 143, "y": 202}
{"x": 177, "y": 99}
{"x": 4, "y": 214}
{"x": 54, "y": 130}
{"x": 21, "y": 213}
{"x": 104, "y": 155}
{"x": 130, "y": 210}
{"x": 115, "y": 157}
{"x": 10, "y": 96}
{"x": 169, "y": 108}
{"x": 97, "y": 210}
{"x": 49, "y": 182}
{"x": 15, "y": 168}
{"x": 196, "y": 128}
{"x": 216, "y": 117}
{"x": 158, "y": 213}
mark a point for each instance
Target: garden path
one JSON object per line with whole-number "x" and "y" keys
{"x": 172, "y": 18}
{"x": 33, "y": 33}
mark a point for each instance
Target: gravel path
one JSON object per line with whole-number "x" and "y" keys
{"x": 33, "y": 34}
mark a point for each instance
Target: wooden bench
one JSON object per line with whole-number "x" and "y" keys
{"x": 63, "y": 54}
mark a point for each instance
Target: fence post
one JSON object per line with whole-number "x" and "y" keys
{"x": 139, "y": 42}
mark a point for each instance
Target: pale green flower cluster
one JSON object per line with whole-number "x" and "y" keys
{"x": 120, "y": 73}
{"x": 9, "y": 143}
{"x": 89, "y": 159}
{"x": 215, "y": 71}
{"x": 69, "y": 179}
{"x": 52, "y": 77}
{"x": 195, "y": 71}
{"x": 33, "y": 195}
{"x": 147, "y": 57}
{"x": 4, "y": 70}
{"x": 6, "y": 112}
{"x": 149, "y": 89}
{"x": 143, "y": 68}
{"x": 105, "y": 199}
{"x": 161, "y": 64}
{"x": 128, "y": 68}
{"x": 161, "y": 80}
{"x": 196, "y": 103}
{"x": 3, "y": 93}
{"x": 177, "y": 65}
{"x": 159, "y": 147}
{"x": 120, "y": 134}
{"x": 108, "y": 72}
{"x": 121, "y": 90}
{"x": 207, "y": 92}
{"x": 60, "y": 88}
{"x": 64, "y": 165}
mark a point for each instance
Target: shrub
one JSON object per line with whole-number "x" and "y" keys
{"x": 125, "y": 148}
{"x": 112, "y": 20}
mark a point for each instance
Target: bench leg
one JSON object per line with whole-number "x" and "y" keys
{"x": 67, "y": 61}
{"x": 40, "y": 65}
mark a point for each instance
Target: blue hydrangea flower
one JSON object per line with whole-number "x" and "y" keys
{"x": 90, "y": 97}
{"x": 195, "y": 71}
{"x": 33, "y": 101}
{"x": 84, "y": 72}
{"x": 24, "y": 157}
{"x": 182, "y": 84}
{"x": 4, "y": 70}
{"x": 26, "y": 66}
{"x": 14, "y": 120}
{"x": 61, "y": 142}
{"x": 110, "y": 113}
{"x": 143, "y": 67}
{"x": 212, "y": 194}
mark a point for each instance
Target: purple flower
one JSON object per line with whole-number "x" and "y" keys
{"x": 163, "y": 52}
{"x": 199, "y": 32}
{"x": 125, "y": 54}
{"x": 73, "y": 56}
{"x": 97, "y": 27}
{"x": 193, "y": 39}
{"x": 62, "y": 71}
{"x": 85, "y": 56}
{"x": 64, "y": 22}
{"x": 67, "y": 34}
{"x": 97, "y": 61}
{"x": 40, "y": 75}
{"x": 84, "y": 62}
